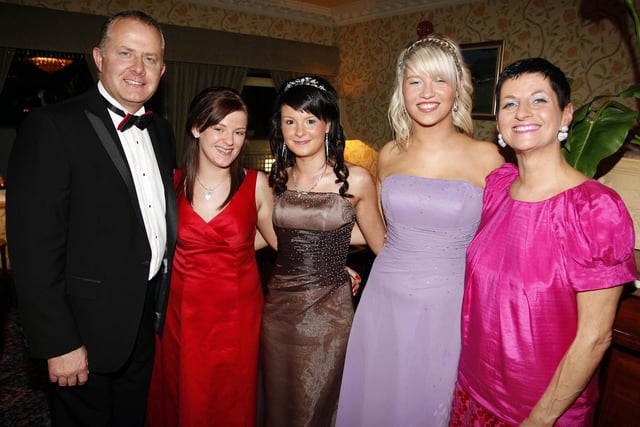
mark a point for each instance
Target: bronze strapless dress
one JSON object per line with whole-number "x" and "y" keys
{"x": 308, "y": 309}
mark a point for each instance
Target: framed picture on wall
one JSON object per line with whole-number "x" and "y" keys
{"x": 485, "y": 62}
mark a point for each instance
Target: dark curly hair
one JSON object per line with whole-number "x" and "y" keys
{"x": 316, "y": 96}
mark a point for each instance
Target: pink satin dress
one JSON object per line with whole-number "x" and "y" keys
{"x": 524, "y": 269}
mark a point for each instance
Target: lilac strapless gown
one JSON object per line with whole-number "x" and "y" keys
{"x": 403, "y": 350}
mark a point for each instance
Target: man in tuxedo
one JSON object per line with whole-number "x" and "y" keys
{"x": 91, "y": 217}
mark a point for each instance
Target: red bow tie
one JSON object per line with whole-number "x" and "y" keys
{"x": 140, "y": 121}
{"x": 129, "y": 119}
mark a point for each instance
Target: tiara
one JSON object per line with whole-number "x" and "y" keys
{"x": 305, "y": 81}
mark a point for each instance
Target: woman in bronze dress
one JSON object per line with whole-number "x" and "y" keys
{"x": 308, "y": 308}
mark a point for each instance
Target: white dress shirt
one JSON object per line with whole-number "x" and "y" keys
{"x": 143, "y": 164}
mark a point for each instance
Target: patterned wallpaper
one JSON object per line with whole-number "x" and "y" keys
{"x": 199, "y": 16}
{"x": 593, "y": 46}
{"x": 591, "y": 51}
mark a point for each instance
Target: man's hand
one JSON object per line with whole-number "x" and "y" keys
{"x": 69, "y": 369}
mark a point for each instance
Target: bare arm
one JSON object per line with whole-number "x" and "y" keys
{"x": 264, "y": 204}
{"x": 259, "y": 242}
{"x": 357, "y": 238}
{"x": 367, "y": 213}
{"x": 596, "y": 313}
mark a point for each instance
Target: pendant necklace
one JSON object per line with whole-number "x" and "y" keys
{"x": 315, "y": 184}
{"x": 209, "y": 191}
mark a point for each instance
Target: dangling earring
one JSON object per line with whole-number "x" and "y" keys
{"x": 455, "y": 106}
{"x": 326, "y": 146}
{"x": 501, "y": 142}
{"x": 284, "y": 152}
{"x": 563, "y": 133}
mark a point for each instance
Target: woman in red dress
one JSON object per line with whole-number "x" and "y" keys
{"x": 206, "y": 361}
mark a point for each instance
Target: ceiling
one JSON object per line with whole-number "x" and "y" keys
{"x": 331, "y": 12}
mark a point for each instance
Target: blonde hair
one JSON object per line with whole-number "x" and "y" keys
{"x": 435, "y": 55}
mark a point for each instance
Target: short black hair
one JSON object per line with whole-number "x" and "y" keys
{"x": 557, "y": 79}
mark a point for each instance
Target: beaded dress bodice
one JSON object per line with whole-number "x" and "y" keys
{"x": 313, "y": 231}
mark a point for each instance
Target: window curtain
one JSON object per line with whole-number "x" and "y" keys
{"x": 6, "y": 58}
{"x": 279, "y": 77}
{"x": 184, "y": 80}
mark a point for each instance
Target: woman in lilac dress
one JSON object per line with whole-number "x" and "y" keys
{"x": 543, "y": 271}
{"x": 403, "y": 349}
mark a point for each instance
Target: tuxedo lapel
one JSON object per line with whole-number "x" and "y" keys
{"x": 110, "y": 146}
{"x": 99, "y": 117}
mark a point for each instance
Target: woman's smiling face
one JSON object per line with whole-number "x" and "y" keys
{"x": 529, "y": 114}
{"x": 220, "y": 144}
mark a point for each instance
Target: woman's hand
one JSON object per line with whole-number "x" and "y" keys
{"x": 355, "y": 280}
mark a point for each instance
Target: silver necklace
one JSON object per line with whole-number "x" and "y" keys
{"x": 209, "y": 191}
{"x": 315, "y": 184}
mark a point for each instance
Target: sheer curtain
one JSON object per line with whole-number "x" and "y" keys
{"x": 184, "y": 80}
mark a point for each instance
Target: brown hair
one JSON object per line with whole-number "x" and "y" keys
{"x": 208, "y": 108}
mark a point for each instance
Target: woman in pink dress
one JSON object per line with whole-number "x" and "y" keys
{"x": 543, "y": 272}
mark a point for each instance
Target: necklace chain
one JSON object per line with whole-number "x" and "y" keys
{"x": 209, "y": 191}
{"x": 315, "y": 184}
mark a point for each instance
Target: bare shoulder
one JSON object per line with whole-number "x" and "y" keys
{"x": 358, "y": 173}
{"x": 388, "y": 148}
{"x": 262, "y": 182}
{"x": 386, "y": 156}
{"x": 486, "y": 154}
{"x": 261, "y": 176}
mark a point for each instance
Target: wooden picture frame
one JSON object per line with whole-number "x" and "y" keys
{"x": 485, "y": 63}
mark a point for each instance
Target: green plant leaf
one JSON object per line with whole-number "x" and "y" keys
{"x": 636, "y": 22}
{"x": 594, "y": 138}
{"x": 598, "y": 132}
{"x": 631, "y": 91}
{"x": 580, "y": 114}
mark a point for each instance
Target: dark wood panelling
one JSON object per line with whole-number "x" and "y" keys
{"x": 37, "y": 28}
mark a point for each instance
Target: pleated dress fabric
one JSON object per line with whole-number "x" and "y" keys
{"x": 308, "y": 309}
{"x": 403, "y": 351}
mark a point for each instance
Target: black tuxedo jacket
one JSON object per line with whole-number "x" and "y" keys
{"x": 79, "y": 251}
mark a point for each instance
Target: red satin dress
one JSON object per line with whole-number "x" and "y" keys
{"x": 205, "y": 371}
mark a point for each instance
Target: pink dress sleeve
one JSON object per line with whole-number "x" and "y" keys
{"x": 599, "y": 239}
{"x": 497, "y": 183}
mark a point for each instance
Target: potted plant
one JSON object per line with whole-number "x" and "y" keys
{"x": 603, "y": 125}
{"x": 600, "y": 129}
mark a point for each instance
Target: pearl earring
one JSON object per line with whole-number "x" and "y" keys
{"x": 563, "y": 133}
{"x": 501, "y": 142}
